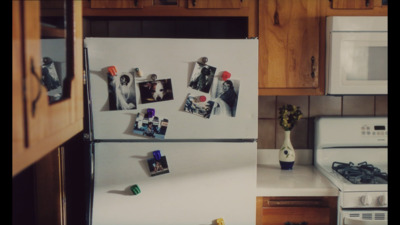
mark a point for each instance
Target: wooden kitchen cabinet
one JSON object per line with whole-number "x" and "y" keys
{"x": 289, "y": 37}
{"x": 296, "y": 210}
{"x": 213, "y": 4}
{"x": 40, "y": 123}
{"x": 352, "y": 4}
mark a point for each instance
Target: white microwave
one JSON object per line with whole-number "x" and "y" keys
{"x": 356, "y": 55}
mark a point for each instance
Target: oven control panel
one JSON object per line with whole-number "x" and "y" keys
{"x": 374, "y": 130}
{"x": 364, "y": 200}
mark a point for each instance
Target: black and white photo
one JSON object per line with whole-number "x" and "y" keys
{"x": 226, "y": 98}
{"x": 202, "y": 77}
{"x": 52, "y": 78}
{"x": 121, "y": 91}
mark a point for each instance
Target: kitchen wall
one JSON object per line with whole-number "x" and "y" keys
{"x": 270, "y": 134}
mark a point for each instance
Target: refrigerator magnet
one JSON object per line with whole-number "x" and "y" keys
{"x": 135, "y": 189}
{"x": 154, "y": 127}
{"x": 138, "y": 72}
{"x": 202, "y": 77}
{"x": 225, "y": 75}
{"x": 121, "y": 90}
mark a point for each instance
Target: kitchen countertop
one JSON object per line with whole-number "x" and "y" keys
{"x": 303, "y": 180}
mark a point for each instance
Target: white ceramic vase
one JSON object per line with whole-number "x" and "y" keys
{"x": 286, "y": 153}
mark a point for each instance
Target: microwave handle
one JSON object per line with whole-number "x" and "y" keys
{"x": 350, "y": 221}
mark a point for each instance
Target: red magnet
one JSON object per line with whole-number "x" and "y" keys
{"x": 202, "y": 98}
{"x": 112, "y": 70}
{"x": 226, "y": 75}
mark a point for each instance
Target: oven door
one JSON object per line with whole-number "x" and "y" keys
{"x": 357, "y": 63}
{"x": 363, "y": 217}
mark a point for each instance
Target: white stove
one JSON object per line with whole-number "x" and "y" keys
{"x": 352, "y": 153}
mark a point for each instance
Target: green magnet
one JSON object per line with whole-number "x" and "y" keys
{"x": 135, "y": 189}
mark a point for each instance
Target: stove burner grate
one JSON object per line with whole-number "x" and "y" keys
{"x": 362, "y": 173}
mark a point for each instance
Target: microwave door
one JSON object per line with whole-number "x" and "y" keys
{"x": 357, "y": 63}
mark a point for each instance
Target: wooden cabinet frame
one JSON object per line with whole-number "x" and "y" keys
{"x": 39, "y": 127}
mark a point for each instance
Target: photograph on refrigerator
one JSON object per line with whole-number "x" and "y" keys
{"x": 225, "y": 97}
{"x": 196, "y": 106}
{"x": 154, "y": 127}
{"x": 121, "y": 91}
{"x": 158, "y": 167}
{"x": 156, "y": 91}
{"x": 202, "y": 77}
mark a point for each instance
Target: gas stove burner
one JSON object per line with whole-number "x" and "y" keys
{"x": 362, "y": 173}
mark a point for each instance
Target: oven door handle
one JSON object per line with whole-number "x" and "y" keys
{"x": 350, "y": 221}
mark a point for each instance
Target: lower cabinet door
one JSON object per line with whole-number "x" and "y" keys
{"x": 295, "y": 216}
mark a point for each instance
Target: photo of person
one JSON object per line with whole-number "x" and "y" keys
{"x": 194, "y": 106}
{"x": 154, "y": 127}
{"x": 202, "y": 77}
{"x": 121, "y": 91}
{"x": 158, "y": 167}
{"x": 156, "y": 91}
{"x": 226, "y": 97}
{"x": 52, "y": 78}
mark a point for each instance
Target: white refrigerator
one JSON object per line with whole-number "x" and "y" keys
{"x": 186, "y": 115}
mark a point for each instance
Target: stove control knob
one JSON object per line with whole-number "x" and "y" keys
{"x": 366, "y": 200}
{"x": 382, "y": 200}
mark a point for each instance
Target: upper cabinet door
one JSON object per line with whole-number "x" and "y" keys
{"x": 213, "y": 4}
{"x": 352, "y": 4}
{"x": 289, "y": 44}
{"x": 49, "y": 88}
{"x": 116, "y": 4}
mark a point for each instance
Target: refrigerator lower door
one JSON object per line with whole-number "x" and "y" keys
{"x": 206, "y": 181}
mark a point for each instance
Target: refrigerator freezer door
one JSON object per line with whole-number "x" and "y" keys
{"x": 174, "y": 59}
{"x": 206, "y": 181}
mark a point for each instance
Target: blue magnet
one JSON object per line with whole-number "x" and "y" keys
{"x": 151, "y": 112}
{"x": 157, "y": 155}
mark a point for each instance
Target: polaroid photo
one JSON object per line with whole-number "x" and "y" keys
{"x": 195, "y": 107}
{"x": 202, "y": 77}
{"x": 154, "y": 127}
{"x": 158, "y": 167}
{"x": 121, "y": 92}
{"x": 156, "y": 91}
{"x": 225, "y": 96}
